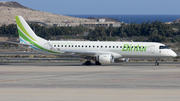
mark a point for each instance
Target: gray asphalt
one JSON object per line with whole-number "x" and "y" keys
{"x": 72, "y": 81}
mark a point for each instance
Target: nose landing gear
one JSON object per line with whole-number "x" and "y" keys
{"x": 157, "y": 63}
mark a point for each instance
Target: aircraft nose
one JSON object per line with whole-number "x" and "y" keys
{"x": 173, "y": 54}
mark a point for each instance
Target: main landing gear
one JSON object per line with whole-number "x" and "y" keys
{"x": 97, "y": 63}
{"x": 156, "y": 63}
{"x": 88, "y": 63}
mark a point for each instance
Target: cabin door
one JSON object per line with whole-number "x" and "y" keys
{"x": 152, "y": 49}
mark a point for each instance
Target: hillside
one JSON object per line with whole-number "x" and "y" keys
{"x": 8, "y": 10}
{"x": 12, "y": 4}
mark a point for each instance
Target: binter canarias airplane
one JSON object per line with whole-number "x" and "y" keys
{"x": 102, "y": 52}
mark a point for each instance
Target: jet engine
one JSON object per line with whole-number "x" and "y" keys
{"x": 105, "y": 59}
{"x": 121, "y": 60}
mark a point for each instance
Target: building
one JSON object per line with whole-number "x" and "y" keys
{"x": 101, "y": 20}
{"x": 61, "y": 25}
{"x": 115, "y": 24}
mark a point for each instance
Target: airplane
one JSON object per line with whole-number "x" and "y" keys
{"x": 102, "y": 52}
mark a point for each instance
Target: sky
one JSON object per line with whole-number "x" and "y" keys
{"x": 105, "y": 7}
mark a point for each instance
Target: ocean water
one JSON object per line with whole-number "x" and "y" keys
{"x": 135, "y": 18}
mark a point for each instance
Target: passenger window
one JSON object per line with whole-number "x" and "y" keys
{"x": 69, "y": 45}
{"x": 120, "y": 46}
{"x": 54, "y": 45}
{"x": 89, "y": 46}
{"x": 75, "y": 45}
{"x": 78, "y": 45}
{"x": 82, "y": 46}
{"x": 86, "y": 46}
{"x": 93, "y": 46}
{"x": 109, "y": 46}
{"x": 113, "y": 46}
{"x": 58, "y": 45}
{"x": 116, "y": 46}
{"x": 97, "y": 46}
{"x": 65, "y": 45}
{"x": 105, "y": 46}
{"x": 101, "y": 46}
{"x": 61, "y": 45}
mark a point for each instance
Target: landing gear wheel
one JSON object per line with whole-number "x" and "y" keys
{"x": 156, "y": 63}
{"x": 88, "y": 63}
{"x": 97, "y": 63}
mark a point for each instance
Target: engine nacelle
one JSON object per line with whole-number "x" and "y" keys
{"x": 121, "y": 60}
{"x": 105, "y": 59}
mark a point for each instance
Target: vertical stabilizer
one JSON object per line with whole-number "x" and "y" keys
{"x": 26, "y": 34}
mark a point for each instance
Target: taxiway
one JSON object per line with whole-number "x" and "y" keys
{"x": 72, "y": 81}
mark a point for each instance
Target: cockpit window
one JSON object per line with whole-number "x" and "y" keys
{"x": 163, "y": 47}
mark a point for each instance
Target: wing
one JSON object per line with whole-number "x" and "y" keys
{"x": 85, "y": 54}
{"x": 79, "y": 53}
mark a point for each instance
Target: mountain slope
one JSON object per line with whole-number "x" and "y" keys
{"x": 8, "y": 10}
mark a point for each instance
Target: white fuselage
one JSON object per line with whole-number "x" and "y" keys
{"x": 117, "y": 49}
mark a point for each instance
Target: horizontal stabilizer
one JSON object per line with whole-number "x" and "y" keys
{"x": 15, "y": 43}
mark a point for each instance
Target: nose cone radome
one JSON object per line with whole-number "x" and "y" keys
{"x": 173, "y": 54}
